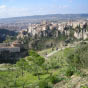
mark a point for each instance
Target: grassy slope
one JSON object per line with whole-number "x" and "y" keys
{"x": 8, "y": 77}
{"x": 78, "y": 80}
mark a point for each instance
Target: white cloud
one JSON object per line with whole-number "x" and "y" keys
{"x": 6, "y": 12}
{"x": 13, "y": 11}
{"x": 2, "y": 6}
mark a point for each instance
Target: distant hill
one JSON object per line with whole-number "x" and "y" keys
{"x": 38, "y": 18}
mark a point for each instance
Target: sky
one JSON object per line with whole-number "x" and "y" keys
{"x": 16, "y": 8}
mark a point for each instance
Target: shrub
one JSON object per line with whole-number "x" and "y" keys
{"x": 45, "y": 84}
{"x": 55, "y": 79}
{"x": 84, "y": 86}
{"x": 70, "y": 71}
{"x": 79, "y": 58}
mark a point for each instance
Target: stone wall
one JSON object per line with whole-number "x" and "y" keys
{"x": 10, "y": 49}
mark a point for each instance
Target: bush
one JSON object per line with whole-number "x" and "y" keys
{"x": 70, "y": 71}
{"x": 45, "y": 84}
{"x": 79, "y": 58}
{"x": 55, "y": 79}
{"x": 84, "y": 86}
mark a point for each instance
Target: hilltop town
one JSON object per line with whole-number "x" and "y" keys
{"x": 45, "y": 28}
{"x": 47, "y": 34}
{"x": 68, "y": 31}
{"x": 43, "y": 43}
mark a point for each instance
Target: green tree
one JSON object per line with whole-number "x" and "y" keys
{"x": 22, "y": 63}
{"x": 79, "y": 58}
{"x": 8, "y": 39}
{"x": 35, "y": 62}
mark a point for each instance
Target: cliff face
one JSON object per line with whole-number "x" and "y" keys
{"x": 79, "y": 29}
{"x": 43, "y": 35}
{"x": 81, "y": 35}
{"x": 11, "y": 55}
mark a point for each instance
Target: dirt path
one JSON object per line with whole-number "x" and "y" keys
{"x": 53, "y": 52}
{"x": 50, "y": 54}
{"x": 70, "y": 46}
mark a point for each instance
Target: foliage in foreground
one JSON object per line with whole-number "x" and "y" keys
{"x": 34, "y": 71}
{"x": 79, "y": 58}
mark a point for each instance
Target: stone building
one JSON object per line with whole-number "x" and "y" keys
{"x": 10, "y": 47}
{"x": 45, "y": 29}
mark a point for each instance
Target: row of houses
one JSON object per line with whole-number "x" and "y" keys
{"x": 44, "y": 28}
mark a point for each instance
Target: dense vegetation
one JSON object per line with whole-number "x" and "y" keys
{"x": 59, "y": 70}
{"x": 4, "y": 34}
{"x": 30, "y": 72}
{"x": 79, "y": 57}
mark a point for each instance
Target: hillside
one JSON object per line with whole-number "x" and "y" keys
{"x": 54, "y": 72}
{"x": 39, "y": 18}
{"x": 4, "y": 33}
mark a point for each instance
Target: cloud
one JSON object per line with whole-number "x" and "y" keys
{"x": 6, "y": 12}
{"x": 2, "y": 6}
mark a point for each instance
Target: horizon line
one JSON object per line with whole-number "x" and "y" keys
{"x": 45, "y": 15}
